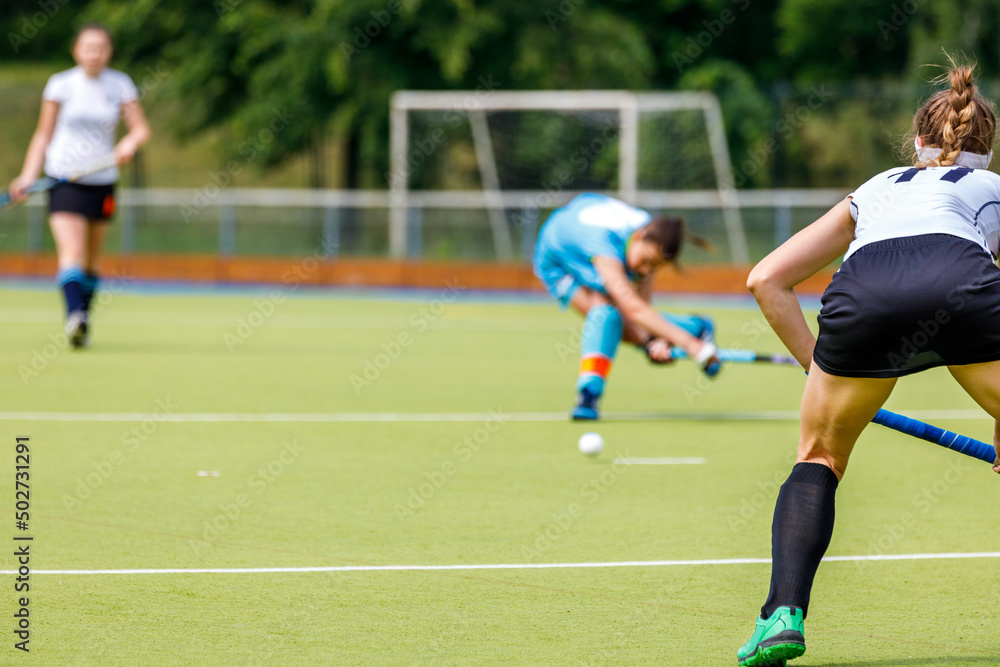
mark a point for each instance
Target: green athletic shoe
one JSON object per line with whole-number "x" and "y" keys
{"x": 779, "y": 638}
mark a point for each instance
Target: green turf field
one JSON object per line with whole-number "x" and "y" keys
{"x": 316, "y": 469}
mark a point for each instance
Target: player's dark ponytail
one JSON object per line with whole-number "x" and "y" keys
{"x": 669, "y": 233}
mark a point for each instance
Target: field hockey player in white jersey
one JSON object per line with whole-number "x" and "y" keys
{"x": 81, "y": 109}
{"x": 918, "y": 288}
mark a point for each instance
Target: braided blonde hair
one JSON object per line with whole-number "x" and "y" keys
{"x": 955, "y": 120}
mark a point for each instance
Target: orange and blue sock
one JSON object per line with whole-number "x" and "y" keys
{"x": 602, "y": 331}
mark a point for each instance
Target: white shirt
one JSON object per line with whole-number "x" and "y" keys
{"x": 906, "y": 201}
{"x": 89, "y": 111}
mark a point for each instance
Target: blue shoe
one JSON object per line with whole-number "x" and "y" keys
{"x": 586, "y": 406}
{"x": 779, "y": 638}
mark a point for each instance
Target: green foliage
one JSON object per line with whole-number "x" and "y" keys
{"x": 591, "y": 48}
{"x": 967, "y": 30}
{"x": 245, "y": 71}
{"x": 838, "y": 39}
{"x": 38, "y": 30}
{"x": 250, "y": 67}
{"x": 745, "y": 109}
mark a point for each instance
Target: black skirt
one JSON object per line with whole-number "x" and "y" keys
{"x": 903, "y": 305}
{"x": 94, "y": 202}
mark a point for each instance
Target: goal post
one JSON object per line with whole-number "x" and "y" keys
{"x": 501, "y": 152}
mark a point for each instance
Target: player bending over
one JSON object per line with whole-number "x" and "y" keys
{"x": 598, "y": 255}
{"x": 920, "y": 246}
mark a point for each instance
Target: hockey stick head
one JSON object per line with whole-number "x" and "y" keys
{"x": 41, "y": 185}
{"x": 47, "y": 182}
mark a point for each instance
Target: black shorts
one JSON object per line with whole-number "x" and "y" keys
{"x": 94, "y": 202}
{"x": 903, "y": 305}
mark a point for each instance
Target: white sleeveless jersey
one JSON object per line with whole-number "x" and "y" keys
{"x": 89, "y": 110}
{"x": 905, "y": 201}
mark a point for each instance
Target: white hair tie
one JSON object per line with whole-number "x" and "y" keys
{"x": 964, "y": 159}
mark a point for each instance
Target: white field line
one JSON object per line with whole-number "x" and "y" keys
{"x": 299, "y": 321}
{"x": 512, "y": 566}
{"x": 373, "y": 417}
{"x": 283, "y": 417}
{"x": 679, "y": 461}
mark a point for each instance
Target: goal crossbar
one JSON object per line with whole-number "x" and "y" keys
{"x": 545, "y": 100}
{"x": 629, "y": 106}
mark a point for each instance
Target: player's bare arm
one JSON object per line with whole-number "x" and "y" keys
{"x": 633, "y": 333}
{"x": 637, "y": 311}
{"x": 657, "y": 349}
{"x": 35, "y": 156}
{"x": 773, "y": 280}
{"x": 138, "y": 132}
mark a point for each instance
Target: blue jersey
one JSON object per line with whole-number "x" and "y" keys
{"x": 589, "y": 226}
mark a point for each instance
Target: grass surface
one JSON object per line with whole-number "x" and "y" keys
{"x": 126, "y": 494}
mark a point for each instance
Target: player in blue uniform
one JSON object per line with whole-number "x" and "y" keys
{"x": 598, "y": 255}
{"x": 918, "y": 288}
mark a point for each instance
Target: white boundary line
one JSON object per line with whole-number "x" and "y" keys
{"x": 298, "y": 321}
{"x": 511, "y": 566}
{"x": 335, "y": 417}
{"x": 677, "y": 461}
{"x": 283, "y": 417}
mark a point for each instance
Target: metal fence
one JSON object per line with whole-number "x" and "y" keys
{"x": 454, "y": 225}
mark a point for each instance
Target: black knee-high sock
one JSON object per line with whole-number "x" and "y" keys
{"x": 88, "y": 287}
{"x": 800, "y": 534}
{"x": 71, "y": 282}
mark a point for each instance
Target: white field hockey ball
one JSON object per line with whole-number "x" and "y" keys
{"x": 591, "y": 443}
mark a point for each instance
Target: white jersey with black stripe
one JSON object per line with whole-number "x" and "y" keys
{"x": 89, "y": 111}
{"x": 907, "y": 201}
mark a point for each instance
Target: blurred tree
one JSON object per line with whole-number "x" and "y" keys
{"x": 331, "y": 65}
{"x": 748, "y": 117}
{"x": 310, "y": 69}
{"x": 38, "y": 29}
{"x": 966, "y": 30}
{"x": 838, "y": 40}
{"x": 590, "y": 48}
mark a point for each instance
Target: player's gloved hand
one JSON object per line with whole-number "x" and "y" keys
{"x": 708, "y": 359}
{"x": 658, "y": 351}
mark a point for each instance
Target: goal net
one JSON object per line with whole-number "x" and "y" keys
{"x": 481, "y": 170}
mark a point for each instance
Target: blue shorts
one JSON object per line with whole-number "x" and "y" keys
{"x": 561, "y": 278}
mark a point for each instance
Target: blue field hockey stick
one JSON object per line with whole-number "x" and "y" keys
{"x": 939, "y": 436}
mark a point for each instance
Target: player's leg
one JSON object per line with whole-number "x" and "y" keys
{"x": 835, "y": 410}
{"x": 97, "y": 231}
{"x": 602, "y": 332}
{"x": 70, "y": 233}
{"x": 597, "y": 344}
{"x": 603, "y": 329}
{"x": 982, "y": 383}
